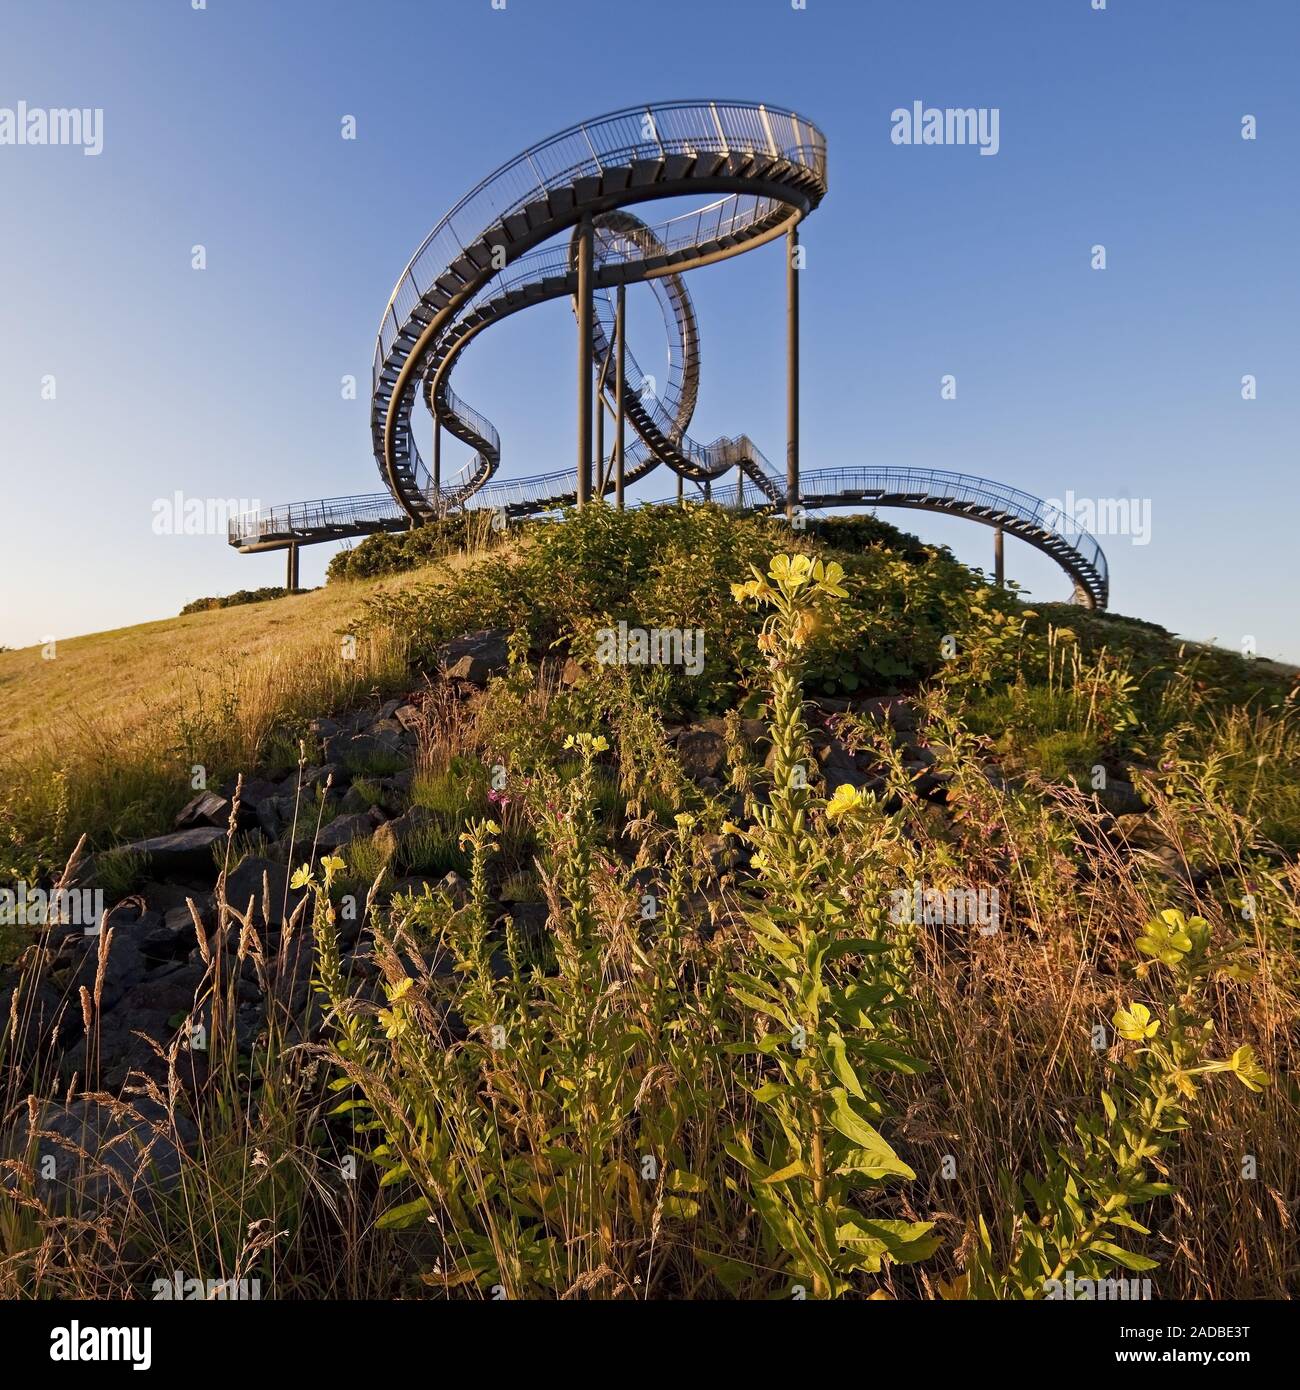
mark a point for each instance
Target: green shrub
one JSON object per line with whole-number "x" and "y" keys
{"x": 240, "y": 596}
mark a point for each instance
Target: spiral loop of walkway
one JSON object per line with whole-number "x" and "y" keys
{"x": 504, "y": 247}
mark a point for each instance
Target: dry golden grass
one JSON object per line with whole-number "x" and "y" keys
{"x": 102, "y": 739}
{"x": 127, "y": 679}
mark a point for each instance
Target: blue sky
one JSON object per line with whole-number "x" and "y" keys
{"x": 222, "y": 128}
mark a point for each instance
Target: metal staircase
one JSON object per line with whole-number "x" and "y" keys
{"x": 503, "y": 248}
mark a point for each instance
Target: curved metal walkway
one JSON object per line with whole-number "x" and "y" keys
{"x": 490, "y": 257}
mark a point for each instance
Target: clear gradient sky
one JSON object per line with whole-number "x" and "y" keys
{"x": 222, "y": 127}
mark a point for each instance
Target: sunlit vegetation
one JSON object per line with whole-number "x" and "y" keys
{"x": 589, "y": 1024}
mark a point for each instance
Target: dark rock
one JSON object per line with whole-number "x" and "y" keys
{"x": 205, "y": 809}
{"x": 893, "y": 710}
{"x": 168, "y": 991}
{"x": 125, "y": 1041}
{"x": 841, "y": 771}
{"x": 360, "y": 965}
{"x": 271, "y": 818}
{"x": 103, "y": 1157}
{"x": 997, "y": 778}
{"x": 322, "y": 729}
{"x": 270, "y": 907}
{"x": 182, "y": 854}
{"x": 254, "y": 789}
{"x": 174, "y": 939}
{"x": 701, "y": 752}
{"x": 725, "y": 852}
{"x": 415, "y": 884}
{"x": 124, "y": 966}
{"x": 1120, "y": 798}
{"x": 165, "y": 897}
{"x": 529, "y": 921}
{"x": 928, "y": 784}
{"x": 476, "y": 656}
{"x": 410, "y": 717}
{"x": 355, "y": 750}
{"x": 342, "y": 830}
{"x": 45, "y": 1019}
{"x": 391, "y": 835}
{"x": 455, "y": 887}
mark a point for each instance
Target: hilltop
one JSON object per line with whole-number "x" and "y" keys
{"x": 667, "y": 959}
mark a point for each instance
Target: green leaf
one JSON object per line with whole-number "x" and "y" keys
{"x": 1127, "y": 1258}
{"x": 682, "y": 1180}
{"x": 768, "y": 1092}
{"x": 873, "y": 1155}
{"x": 762, "y": 1007}
{"x": 408, "y": 1214}
{"x": 903, "y": 1241}
{"x": 797, "y": 1169}
{"x": 841, "y": 1066}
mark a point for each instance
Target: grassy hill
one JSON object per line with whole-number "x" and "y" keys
{"x": 102, "y": 739}
{"x": 911, "y": 942}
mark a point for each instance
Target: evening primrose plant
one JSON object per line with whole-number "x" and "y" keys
{"x": 815, "y": 987}
{"x": 1081, "y": 1223}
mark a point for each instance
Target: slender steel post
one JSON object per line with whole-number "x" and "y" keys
{"x": 437, "y": 465}
{"x": 291, "y": 578}
{"x": 620, "y": 320}
{"x": 740, "y": 487}
{"x": 679, "y": 489}
{"x": 600, "y": 436}
{"x": 998, "y": 572}
{"x": 584, "y": 360}
{"x": 792, "y": 373}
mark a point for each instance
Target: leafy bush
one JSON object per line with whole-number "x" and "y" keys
{"x": 662, "y": 567}
{"x": 240, "y": 596}
{"x": 677, "y": 1038}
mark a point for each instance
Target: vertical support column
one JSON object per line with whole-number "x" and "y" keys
{"x": 708, "y": 490}
{"x": 740, "y": 487}
{"x": 437, "y": 466}
{"x": 679, "y": 489}
{"x": 291, "y": 578}
{"x": 998, "y": 571}
{"x": 584, "y": 360}
{"x": 791, "y": 372}
{"x": 600, "y": 434}
{"x": 620, "y": 349}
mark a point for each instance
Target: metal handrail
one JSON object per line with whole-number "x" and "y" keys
{"x": 451, "y": 257}
{"x": 961, "y": 488}
{"x": 773, "y": 163}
